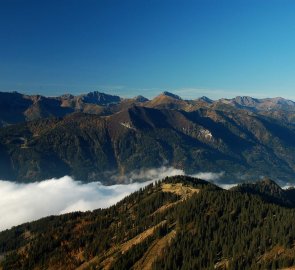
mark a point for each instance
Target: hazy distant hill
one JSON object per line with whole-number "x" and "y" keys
{"x": 179, "y": 223}
{"x": 265, "y": 104}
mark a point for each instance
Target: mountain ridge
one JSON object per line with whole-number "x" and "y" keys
{"x": 269, "y": 190}
{"x": 17, "y": 107}
{"x": 98, "y": 141}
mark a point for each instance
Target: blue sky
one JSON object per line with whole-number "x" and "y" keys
{"x": 215, "y": 48}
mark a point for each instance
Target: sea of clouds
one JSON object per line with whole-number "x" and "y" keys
{"x": 21, "y": 203}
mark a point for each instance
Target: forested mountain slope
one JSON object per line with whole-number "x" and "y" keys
{"x": 91, "y": 147}
{"x": 177, "y": 223}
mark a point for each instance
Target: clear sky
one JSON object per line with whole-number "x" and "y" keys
{"x": 215, "y": 48}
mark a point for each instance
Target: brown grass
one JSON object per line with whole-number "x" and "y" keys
{"x": 180, "y": 189}
{"x": 105, "y": 260}
{"x": 156, "y": 249}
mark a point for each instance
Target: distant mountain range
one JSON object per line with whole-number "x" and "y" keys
{"x": 178, "y": 223}
{"x": 97, "y": 136}
{"x": 16, "y": 107}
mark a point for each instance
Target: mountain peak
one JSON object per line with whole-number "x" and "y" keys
{"x": 205, "y": 99}
{"x": 267, "y": 189}
{"x": 282, "y": 101}
{"x": 99, "y": 98}
{"x": 67, "y": 96}
{"x": 263, "y": 185}
{"x": 141, "y": 98}
{"x": 270, "y": 185}
{"x": 246, "y": 100}
{"x": 169, "y": 94}
{"x": 267, "y": 181}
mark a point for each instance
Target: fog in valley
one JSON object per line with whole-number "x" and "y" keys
{"x": 21, "y": 203}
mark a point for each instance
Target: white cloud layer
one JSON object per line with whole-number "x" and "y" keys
{"x": 287, "y": 186}
{"x": 148, "y": 174}
{"x": 21, "y": 203}
{"x": 209, "y": 176}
